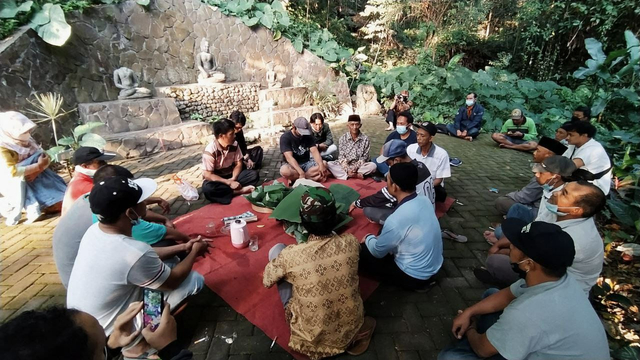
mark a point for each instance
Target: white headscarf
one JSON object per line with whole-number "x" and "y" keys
{"x": 13, "y": 127}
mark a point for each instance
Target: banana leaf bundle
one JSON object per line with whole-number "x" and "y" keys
{"x": 268, "y": 196}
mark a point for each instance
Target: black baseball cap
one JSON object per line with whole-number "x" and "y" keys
{"x": 428, "y": 127}
{"x": 553, "y": 145}
{"x": 545, "y": 243}
{"x": 111, "y": 197}
{"x": 86, "y": 154}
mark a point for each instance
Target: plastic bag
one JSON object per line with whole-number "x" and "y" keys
{"x": 187, "y": 190}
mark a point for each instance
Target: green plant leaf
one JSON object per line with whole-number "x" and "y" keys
{"x": 626, "y": 353}
{"x": 10, "y": 9}
{"x": 633, "y": 46}
{"x": 277, "y": 35}
{"x": 55, "y": 31}
{"x": 277, "y": 6}
{"x": 454, "y": 61}
{"x": 52, "y": 152}
{"x": 67, "y": 141}
{"x": 85, "y": 128}
{"x": 93, "y": 140}
{"x": 594, "y": 48}
{"x": 250, "y": 21}
{"x": 297, "y": 44}
{"x": 143, "y": 2}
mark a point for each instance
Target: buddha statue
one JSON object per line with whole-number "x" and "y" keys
{"x": 272, "y": 78}
{"x": 207, "y": 65}
{"x": 127, "y": 81}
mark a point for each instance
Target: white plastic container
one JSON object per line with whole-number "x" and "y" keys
{"x": 239, "y": 234}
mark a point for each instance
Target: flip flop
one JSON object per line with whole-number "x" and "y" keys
{"x": 486, "y": 237}
{"x": 360, "y": 342}
{"x": 448, "y": 234}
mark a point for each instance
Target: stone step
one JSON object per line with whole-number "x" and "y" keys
{"x": 261, "y": 119}
{"x": 123, "y": 116}
{"x": 283, "y": 98}
{"x": 135, "y": 144}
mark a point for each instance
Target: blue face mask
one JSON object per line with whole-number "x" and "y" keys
{"x": 136, "y": 221}
{"x": 401, "y": 129}
{"x": 554, "y": 209}
{"x": 548, "y": 187}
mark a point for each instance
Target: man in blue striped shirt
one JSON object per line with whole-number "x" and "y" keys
{"x": 408, "y": 251}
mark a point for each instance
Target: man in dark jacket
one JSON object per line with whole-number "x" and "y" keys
{"x": 468, "y": 120}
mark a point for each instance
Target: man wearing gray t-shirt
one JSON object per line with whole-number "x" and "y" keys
{"x": 545, "y": 315}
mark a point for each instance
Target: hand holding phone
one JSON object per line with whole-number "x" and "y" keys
{"x": 152, "y": 311}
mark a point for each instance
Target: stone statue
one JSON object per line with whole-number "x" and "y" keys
{"x": 367, "y": 100}
{"x": 272, "y": 78}
{"x": 207, "y": 65}
{"x": 127, "y": 81}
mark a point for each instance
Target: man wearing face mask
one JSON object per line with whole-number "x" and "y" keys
{"x": 544, "y": 315}
{"x": 468, "y": 121}
{"x": 379, "y": 206}
{"x": 574, "y": 205}
{"x": 403, "y": 132}
{"x": 105, "y": 288}
{"x": 87, "y": 161}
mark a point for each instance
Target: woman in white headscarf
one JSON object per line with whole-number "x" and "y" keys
{"x": 25, "y": 180}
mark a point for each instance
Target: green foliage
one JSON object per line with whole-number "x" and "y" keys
{"x": 81, "y": 136}
{"x": 51, "y": 25}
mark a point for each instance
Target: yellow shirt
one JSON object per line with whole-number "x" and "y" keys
{"x": 9, "y": 162}
{"x": 325, "y": 311}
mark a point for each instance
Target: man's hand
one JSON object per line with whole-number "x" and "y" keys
{"x": 200, "y": 248}
{"x": 234, "y": 185}
{"x": 249, "y": 164}
{"x": 509, "y": 133}
{"x": 494, "y": 249}
{"x": 518, "y": 134}
{"x": 352, "y": 207}
{"x": 352, "y": 173}
{"x": 165, "y": 334}
{"x": 123, "y": 333}
{"x": 188, "y": 246}
{"x": 461, "y": 324}
{"x": 168, "y": 223}
{"x": 322, "y": 147}
{"x": 302, "y": 174}
{"x": 458, "y": 132}
{"x": 165, "y": 206}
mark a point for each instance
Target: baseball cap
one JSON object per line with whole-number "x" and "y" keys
{"x": 86, "y": 154}
{"x": 405, "y": 175}
{"x": 302, "y": 125}
{"x": 111, "y": 197}
{"x": 428, "y": 127}
{"x": 391, "y": 149}
{"x": 545, "y": 243}
{"x": 516, "y": 114}
{"x": 317, "y": 205}
{"x": 556, "y": 164}
{"x": 553, "y": 145}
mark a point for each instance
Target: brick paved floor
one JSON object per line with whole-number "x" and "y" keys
{"x": 410, "y": 325}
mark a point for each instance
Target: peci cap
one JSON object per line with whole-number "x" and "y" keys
{"x": 553, "y": 145}
{"x": 111, "y": 197}
{"x": 86, "y": 154}
{"x": 405, "y": 175}
{"x": 354, "y": 117}
{"x": 545, "y": 243}
{"x": 391, "y": 149}
{"x": 516, "y": 114}
{"x": 317, "y": 205}
{"x": 428, "y": 127}
{"x": 302, "y": 125}
{"x": 556, "y": 164}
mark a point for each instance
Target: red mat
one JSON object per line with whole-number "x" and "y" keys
{"x": 236, "y": 274}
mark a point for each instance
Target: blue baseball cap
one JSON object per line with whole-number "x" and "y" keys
{"x": 392, "y": 149}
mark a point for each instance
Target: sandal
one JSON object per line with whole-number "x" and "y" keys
{"x": 490, "y": 236}
{"x": 448, "y": 234}
{"x": 360, "y": 342}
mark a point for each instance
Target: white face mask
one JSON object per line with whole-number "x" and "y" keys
{"x": 89, "y": 172}
{"x": 469, "y": 102}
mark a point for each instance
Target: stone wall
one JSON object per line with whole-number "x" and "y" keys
{"x": 130, "y": 115}
{"x": 213, "y": 99}
{"x": 159, "y": 44}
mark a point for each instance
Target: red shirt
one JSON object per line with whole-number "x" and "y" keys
{"x": 79, "y": 185}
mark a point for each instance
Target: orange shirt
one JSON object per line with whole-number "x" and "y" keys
{"x": 79, "y": 185}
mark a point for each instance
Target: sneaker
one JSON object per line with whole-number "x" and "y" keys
{"x": 485, "y": 277}
{"x": 425, "y": 289}
{"x": 377, "y": 178}
{"x": 328, "y": 158}
{"x": 455, "y": 162}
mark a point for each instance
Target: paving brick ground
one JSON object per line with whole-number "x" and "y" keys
{"x": 410, "y": 325}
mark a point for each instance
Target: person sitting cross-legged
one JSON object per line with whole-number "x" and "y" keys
{"x": 402, "y": 132}
{"x": 353, "y": 159}
{"x": 519, "y": 133}
{"x": 222, "y": 164}
{"x": 468, "y": 121}
{"x": 323, "y": 137}
{"x": 301, "y": 155}
{"x": 318, "y": 284}
{"x": 252, "y": 158}
{"x": 589, "y": 154}
{"x": 433, "y": 156}
{"x": 111, "y": 268}
{"x": 544, "y": 315}
{"x": 408, "y": 251}
{"x": 72, "y": 334}
{"x": 379, "y": 206}
{"x": 574, "y": 206}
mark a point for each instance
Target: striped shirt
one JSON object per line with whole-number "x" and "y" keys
{"x": 109, "y": 273}
{"x": 221, "y": 161}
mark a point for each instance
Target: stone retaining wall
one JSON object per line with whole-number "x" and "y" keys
{"x": 130, "y": 115}
{"x": 213, "y": 99}
{"x": 158, "y": 43}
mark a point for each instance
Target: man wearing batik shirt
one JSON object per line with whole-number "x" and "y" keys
{"x": 325, "y": 311}
{"x": 353, "y": 160}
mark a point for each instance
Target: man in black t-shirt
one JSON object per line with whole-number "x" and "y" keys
{"x": 301, "y": 154}
{"x": 252, "y": 158}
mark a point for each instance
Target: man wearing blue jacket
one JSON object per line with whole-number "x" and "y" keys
{"x": 468, "y": 120}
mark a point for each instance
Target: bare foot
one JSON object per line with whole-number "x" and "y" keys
{"x": 359, "y": 176}
{"x": 389, "y": 129}
{"x": 247, "y": 189}
{"x": 490, "y": 237}
{"x": 468, "y": 138}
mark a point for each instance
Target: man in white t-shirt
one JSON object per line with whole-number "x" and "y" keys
{"x": 432, "y": 155}
{"x": 589, "y": 154}
{"x": 111, "y": 268}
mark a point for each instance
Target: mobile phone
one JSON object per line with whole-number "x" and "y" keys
{"x": 152, "y": 311}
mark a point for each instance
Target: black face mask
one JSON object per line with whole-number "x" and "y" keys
{"x": 574, "y": 119}
{"x": 516, "y": 269}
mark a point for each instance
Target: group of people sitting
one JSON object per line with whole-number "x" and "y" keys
{"x": 545, "y": 256}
